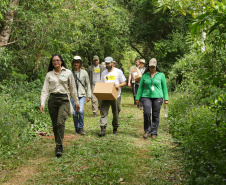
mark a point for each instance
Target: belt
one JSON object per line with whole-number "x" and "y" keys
{"x": 59, "y": 95}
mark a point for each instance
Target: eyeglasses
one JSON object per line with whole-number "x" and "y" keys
{"x": 56, "y": 60}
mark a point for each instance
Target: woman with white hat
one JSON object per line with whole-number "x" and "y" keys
{"x": 152, "y": 90}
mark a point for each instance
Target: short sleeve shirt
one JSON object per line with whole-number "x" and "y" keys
{"x": 96, "y": 74}
{"x": 115, "y": 76}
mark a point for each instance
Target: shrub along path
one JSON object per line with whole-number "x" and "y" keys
{"x": 125, "y": 158}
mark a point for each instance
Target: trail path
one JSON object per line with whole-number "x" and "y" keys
{"x": 125, "y": 158}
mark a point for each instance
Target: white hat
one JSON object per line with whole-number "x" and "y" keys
{"x": 153, "y": 62}
{"x": 142, "y": 61}
{"x": 77, "y": 58}
{"x": 108, "y": 59}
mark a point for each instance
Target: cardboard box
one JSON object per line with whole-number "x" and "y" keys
{"x": 136, "y": 73}
{"x": 105, "y": 91}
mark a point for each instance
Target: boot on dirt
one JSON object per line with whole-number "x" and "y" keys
{"x": 102, "y": 132}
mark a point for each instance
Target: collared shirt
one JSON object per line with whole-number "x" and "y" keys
{"x": 147, "y": 83}
{"x": 53, "y": 84}
{"x": 84, "y": 88}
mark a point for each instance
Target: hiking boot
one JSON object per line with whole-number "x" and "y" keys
{"x": 102, "y": 132}
{"x": 81, "y": 131}
{"x": 76, "y": 132}
{"x": 154, "y": 136}
{"x": 59, "y": 150}
{"x": 115, "y": 130}
{"x": 145, "y": 136}
{"x": 95, "y": 114}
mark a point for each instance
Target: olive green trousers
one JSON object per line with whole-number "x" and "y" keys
{"x": 115, "y": 107}
{"x": 58, "y": 109}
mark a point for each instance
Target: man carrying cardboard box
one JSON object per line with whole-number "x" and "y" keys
{"x": 94, "y": 72}
{"x": 115, "y": 75}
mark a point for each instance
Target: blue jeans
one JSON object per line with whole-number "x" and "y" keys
{"x": 78, "y": 117}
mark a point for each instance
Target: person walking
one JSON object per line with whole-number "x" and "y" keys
{"x": 142, "y": 69}
{"x": 151, "y": 92}
{"x": 83, "y": 89}
{"x": 59, "y": 82}
{"x": 94, "y": 72}
{"x": 131, "y": 81}
{"x": 115, "y": 75}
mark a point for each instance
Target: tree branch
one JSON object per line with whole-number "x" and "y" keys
{"x": 137, "y": 50}
{"x": 8, "y": 43}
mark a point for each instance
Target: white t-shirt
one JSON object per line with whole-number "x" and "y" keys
{"x": 115, "y": 76}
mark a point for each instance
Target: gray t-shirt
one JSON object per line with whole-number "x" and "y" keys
{"x": 96, "y": 74}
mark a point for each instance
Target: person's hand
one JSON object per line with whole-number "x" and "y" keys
{"x": 166, "y": 102}
{"x": 87, "y": 99}
{"x": 42, "y": 109}
{"x": 77, "y": 108}
{"x": 117, "y": 87}
{"x": 137, "y": 102}
{"x": 129, "y": 84}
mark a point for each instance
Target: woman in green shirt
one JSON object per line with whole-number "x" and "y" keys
{"x": 151, "y": 92}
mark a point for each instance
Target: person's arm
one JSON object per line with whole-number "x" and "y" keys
{"x": 120, "y": 85}
{"x": 129, "y": 80}
{"x": 140, "y": 89}
{"x": 88, "y": 95}
{"x": 44, "y": 94}
{"x": 164, "y": 89}
{"x": 73, "y": 90}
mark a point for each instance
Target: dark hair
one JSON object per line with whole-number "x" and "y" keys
{"x": 51, "y": 62}
{"x": 147, "y": 69}
{"x": 136, "y": 59}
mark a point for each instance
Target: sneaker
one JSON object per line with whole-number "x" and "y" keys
{"x": 154, "y": 136}
{"x": 141, "y": 107}
{"x": 59, "y": 150}
{"x": 145, "y": 136}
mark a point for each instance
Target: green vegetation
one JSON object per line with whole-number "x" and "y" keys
{"x": 113, "y": 159}
{"x": 187, "y": 38}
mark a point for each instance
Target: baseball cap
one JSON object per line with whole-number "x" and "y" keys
{"x": 114, "y": 61}
{"x": 108, "y": 59}
{"x": 153, "y": 62}
{"x": 142, "y": 61}
{"x": 77, "y": 58}
{"x": 95, "y": 57}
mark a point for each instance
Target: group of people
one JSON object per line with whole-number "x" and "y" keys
{"x": 76, "y": 86}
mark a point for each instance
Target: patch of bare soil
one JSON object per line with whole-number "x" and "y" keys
{"x": 21, "y": 176}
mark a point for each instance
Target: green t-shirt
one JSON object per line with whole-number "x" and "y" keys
{"x": 159, "y": 84}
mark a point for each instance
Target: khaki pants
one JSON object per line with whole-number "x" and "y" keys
{"x": 95, "y": 101}
{"x": 104, "y": 108}
{"x": 58, "y": 109}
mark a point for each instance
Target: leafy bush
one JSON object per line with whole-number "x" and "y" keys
{"x": 203, "y": 141}
{"x": 20, "y": 115}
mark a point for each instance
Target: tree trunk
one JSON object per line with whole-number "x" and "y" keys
{"x": 6, "y": 24}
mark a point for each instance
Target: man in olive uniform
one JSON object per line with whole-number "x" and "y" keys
{"x": 94, "y": 72}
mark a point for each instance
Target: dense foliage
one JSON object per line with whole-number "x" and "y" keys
{"x": 187, "y": 38}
